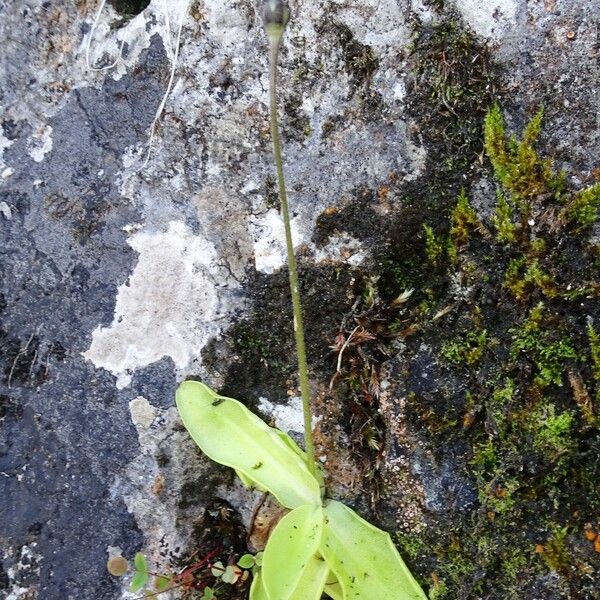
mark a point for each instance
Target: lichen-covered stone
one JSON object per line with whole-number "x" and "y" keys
{"x": 461, "y": 416}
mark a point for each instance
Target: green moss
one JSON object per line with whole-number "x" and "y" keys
{"x": 594, "y": 341}
{"x": 468, "y": 349}
{"x": 412, "y": 545}
{"x": 439, "y": 590}
{"x": 506, "y": 230}
{"x": 501, "y": 496}
{"x": 583, "y": 208}
{"x": 524, "y": 276}
{"x": 463, "y": 219}
{"x": 550, "y": 350}
{"x": 555, "y": 550}
{"x": 517, "y": 165}
{"x": 552, "y": 432}
{"x": 457, "y": 566}
{"x": 485, "y": 457}
{"x": 514, "y": 562}
{"x": 434, "y": 247}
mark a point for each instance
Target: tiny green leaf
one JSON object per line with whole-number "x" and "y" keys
{"x": 246, "y": 562}
{"x": 161, "y": 583}
{"x": 217, "y": 569}
{"x": 230, "y": 434}
{"x": 288, "y": 553}
{"x": 208, "y": 593}
{"x": 258, "y": 558}
{"x": 138, "y": 581}
{"x": 364, "y": 559}
{"x": 230, "y": 576}
{"x": 140, "y": 563}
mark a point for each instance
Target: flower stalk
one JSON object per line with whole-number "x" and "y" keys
{"x": 276, "y": 15}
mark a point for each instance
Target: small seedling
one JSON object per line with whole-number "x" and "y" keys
{"x": 141, "y": 575}
{"x": 195, "y": 576}
{"x": 321, "y": 545}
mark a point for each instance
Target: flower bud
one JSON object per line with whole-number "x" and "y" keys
{"x": 276, "y": 14}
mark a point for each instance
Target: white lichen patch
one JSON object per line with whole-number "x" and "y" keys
{"x": 40, "y": 143}
{"x": 100, "y": 49}
{"x": 377, "y": 24}
{"x": 4, "y": 144}
{"x": 288, "y": 417}
{"x": 490, "y": 19}
{"x": 342, "y": 248}
{"x": 168, "y": 307}
{"x": 5, "y": 211}
{"x": 28, "y": 564}
{"x": 268, "y": 236}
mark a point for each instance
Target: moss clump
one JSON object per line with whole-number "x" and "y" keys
{"x": 526, "y": 365}
{"x": 548, "y": 348}
{"x": 523, "y": 277}
{"x": 555, "y": 552}
{"x": 434, "y": 246}
{"x": 463, "y": 219}
{"x": 506, "y": 230}
{"x": 553, "y": 432}
{"x": 468, "y": 349}
{"x": 453, "y": 89}
{"x": 517, "y": 165}
{"x": 583, "y": 208}
{"x": 594, "y": 341}
{"x": 530, "y": 178}
{"x": 360, "y": 60}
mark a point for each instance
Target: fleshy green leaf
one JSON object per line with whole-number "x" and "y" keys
{"x": 334, "y": 590}
{"x": 250, "y": 483}
{"x": 246, "y": 562}
{"x": 138, "y": 581}
{"x": 312, "y": 582}
{"x": 257, "y": 589}
{"x": 140, "y": 563}
{"x": 287, "y": 557}
{"x": 230, "y": 434}
{"x": 364, "y": 559}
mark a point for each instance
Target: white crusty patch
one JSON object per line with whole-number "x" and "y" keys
{"x": 40, "y": 143}
{"x": 288, "y": 417}
{"x": 490, "y": 19}
{"x": 4, "y": 144}
{"x": 268, "y": 234}
{"x": 168, "y": 307}
{"x": 341, "y": 248}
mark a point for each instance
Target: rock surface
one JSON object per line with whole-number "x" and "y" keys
{"x": 130, "y": 263}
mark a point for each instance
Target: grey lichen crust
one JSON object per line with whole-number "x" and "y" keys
{"x": 120, "y": 278}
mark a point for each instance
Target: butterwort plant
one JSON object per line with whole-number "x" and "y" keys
{"x": 320, "y": 546}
